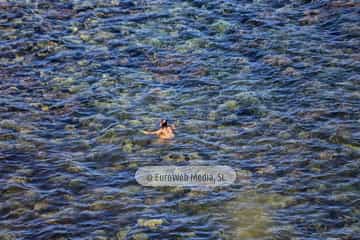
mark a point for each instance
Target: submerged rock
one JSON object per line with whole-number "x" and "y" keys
{"x": 127, "y": 146}
{"x": 177, "y": 157}
{"x": 343, "y": 4}
{"x": 155, "y": 201}
{"x": 78, "y": 88}
{"x": 243, "y": 174}
{"x": 135, "y": 123}
{"x": 19, "y": 212}
{"x": 212, "y": 115}
{"x": 100, "y": 205}
{"x": 155, "y": 42}
{"x": 39, "y": 206}
{"x": 104, "y": 35}
{"x": 353, "y": 147}
{"x": 151, "y": 223}
{"x": 131, "y": 189}
{"x": 18, "y": 179}
{"x": 284, "y": 134}
{"x": 4, "y": 235}
{"x": 122, "y": 234}
{"x": 77, "y": 184}
{"x": 194, "y": 156}
{"x": 310, "y": 17}
{"x": 277, "y": 60}
{"x": 221, "y": 26}
{"x": 9, "y": 124}
{"x": 110, "y": 136}
{"x": 197, "y": 43}
{"x": 85, "y": 37}
{"x": 140, "y": 236}
{"x": 304, "y": 135}
{"x": 12, "y": 188}
{"x": 247, "y": 98}
{"x": 116, "y": 167}
{"x": 249, "y": 215}
{"x": 266, "y": 170}
{"x": 291, "y": 72}
{"x": 74, "y": 168}
{"x": 230, "y": 105}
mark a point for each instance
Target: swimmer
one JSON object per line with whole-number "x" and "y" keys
{"x": 165, "y": 132}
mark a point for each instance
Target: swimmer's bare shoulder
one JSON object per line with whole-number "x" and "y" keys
{"x": 165, "y": 132}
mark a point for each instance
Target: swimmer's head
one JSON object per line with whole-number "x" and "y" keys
{"x": 163, "y": 123}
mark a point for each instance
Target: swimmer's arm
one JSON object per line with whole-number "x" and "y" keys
{"x": 152, "y": 132}
{"x": 173, "y": 127}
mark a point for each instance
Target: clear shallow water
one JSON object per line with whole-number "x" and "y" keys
{"x": 270, "y": 88}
